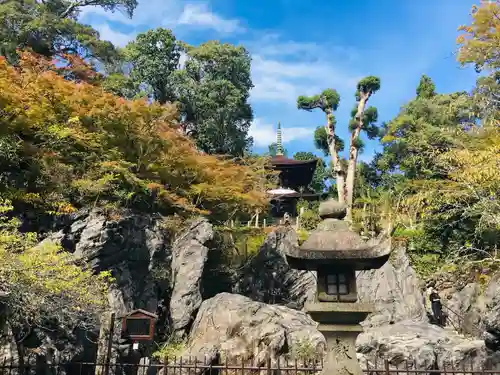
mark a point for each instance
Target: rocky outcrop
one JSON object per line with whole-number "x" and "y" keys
{"x": 252, "y": 325}
{"x": 8, "y": 348}
{"x": 472, "y": 305}
{"x": 131, "y": 246}
{"x": 268, "y": 278}
{"x": 189, "y": 255}
{"x": 421, "y": 346}
{"x": 395, "y": 289}
{"x": 491, "y": 321}
{"x": 238, "y": 327}
{"x": 399, "y": 330}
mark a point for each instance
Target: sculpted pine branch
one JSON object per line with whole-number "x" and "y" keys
{"x": 328, "y": 101}
{"x": 363, "y": 119}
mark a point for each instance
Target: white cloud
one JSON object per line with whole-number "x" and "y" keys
{"x": 264, "y": 134}
{"x": 115, "y": 37}
{"x": 283, "y": 71}
{"x": 167, "y": 13}
{"x": 200, "y": 15}
{"x": 152, "y": 13}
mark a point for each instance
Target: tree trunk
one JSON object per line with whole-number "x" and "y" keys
{"x": 338, "y": 172}
{"x": 353, "y": 156}
{"x": 71, "y": 8}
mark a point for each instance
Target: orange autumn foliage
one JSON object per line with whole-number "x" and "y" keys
{"x": 65, "y": 144}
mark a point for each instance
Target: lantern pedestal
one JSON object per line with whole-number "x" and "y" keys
{"x": 339, "y": 323}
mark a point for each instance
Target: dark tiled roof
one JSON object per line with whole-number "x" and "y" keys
{"x": 281, "y": 160}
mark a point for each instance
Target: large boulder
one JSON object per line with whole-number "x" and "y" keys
{"x": 189, "y": 255}
{"x": 237, "y": 327}
{"x": 394, "y": 289}
{"x": 268, "y": 277}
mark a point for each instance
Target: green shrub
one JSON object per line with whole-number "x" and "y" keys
{"x": 425, "y": 264}
{"x": 169, "y": 349}
{"x": 304, "y": 351}
{"x": 241, "y": 243}
{"x": 309, "y": 220}
{"x": 302, "y": 235}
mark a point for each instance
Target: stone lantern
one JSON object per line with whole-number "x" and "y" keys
{"x": 336, "y": 252}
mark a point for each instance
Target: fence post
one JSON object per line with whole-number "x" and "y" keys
{"x": 110, "y": 343}
{"x": 268, "y": 365}
{"x": 264, "y": 223}
{"x": 386, "y": 365}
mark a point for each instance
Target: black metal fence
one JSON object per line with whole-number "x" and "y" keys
{"x": 187, "y": 366}
{"x": 174, "y": 366}
{"x": 404, "y": 367}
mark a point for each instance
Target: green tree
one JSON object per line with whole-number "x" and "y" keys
{"x": 51, "y": 28}
{"x": 211, "y": 89}
{"x": 121, "y": 85}
{"x": 363, "y": 118}
{"x": 273, "y": 150}
{"x": 44, "y": 286}
{"x": 426, "y": 88}
{"x": 214, "y": 89}
{"x": 321, "y": 174}
{"x": 424, "y": 128}
{"x": 154, "y": 57}
{"x": 436, "y": 179}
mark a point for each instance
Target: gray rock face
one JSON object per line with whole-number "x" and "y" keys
{"x": 130, "y": 247}
{"x": 472, "y": 308}
{"x": 491, "y": 321}
{"x": 8, "y": 349}
{"x": 238, "y": 327}
{"x": 399, "y": 331}
{"x": 422, "y": 345}
{"x": 395, "y": 289}
{"x": 190, "y": 253}
{"x": 268, "y": 278}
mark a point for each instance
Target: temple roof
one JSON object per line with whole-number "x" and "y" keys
{"x": 281, "y": 191}
{"x": 304, "y": 195}
{"x": 280, "y": 160}
{"x": 334, "y": 244}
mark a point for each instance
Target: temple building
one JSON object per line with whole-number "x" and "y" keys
{"x": 294, "y": 179}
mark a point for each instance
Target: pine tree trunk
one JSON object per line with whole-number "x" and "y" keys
{"x": 338, "y": 172}
{"x": 353, "y": 157}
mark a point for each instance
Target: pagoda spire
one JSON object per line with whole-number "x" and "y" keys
{"x": 279, "y": 145}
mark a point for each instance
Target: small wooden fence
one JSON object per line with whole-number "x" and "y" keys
{"x": 261, "y": 223}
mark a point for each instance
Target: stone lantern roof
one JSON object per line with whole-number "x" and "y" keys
{"x": 334, "y": 244}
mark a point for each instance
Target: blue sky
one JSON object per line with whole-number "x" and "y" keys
{"x": 302, "y": 47}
